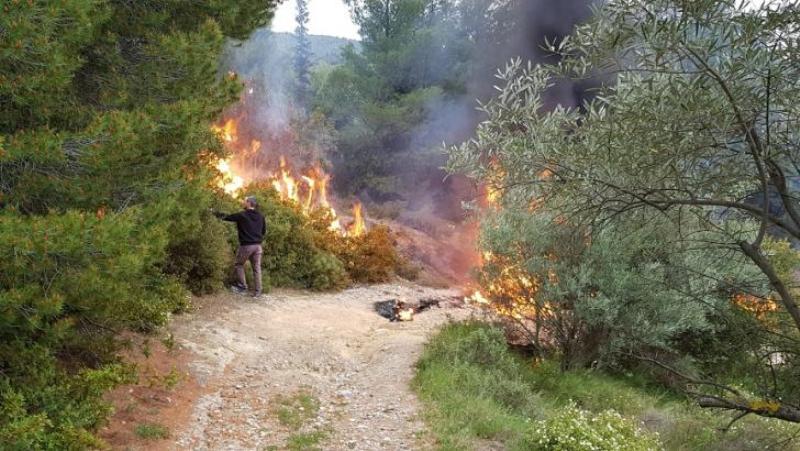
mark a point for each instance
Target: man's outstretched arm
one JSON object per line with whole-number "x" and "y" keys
{"x": 226, "y": 217}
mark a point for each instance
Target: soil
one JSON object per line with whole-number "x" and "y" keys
{"x": 233, "y": 360}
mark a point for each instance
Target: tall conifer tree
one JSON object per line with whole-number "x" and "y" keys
{"x": 302, "y": 58}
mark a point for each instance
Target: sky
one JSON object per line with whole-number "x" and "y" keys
{"x": 332, "y": 18}
{"x": 328, "y": 17}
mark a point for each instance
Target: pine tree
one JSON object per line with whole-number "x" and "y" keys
{"x": 302, "y": 58}
{"x": 105, "y": 120}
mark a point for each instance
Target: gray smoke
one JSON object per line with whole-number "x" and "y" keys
{"x": 525, "y": 26}
{"x": 516, "y": 29}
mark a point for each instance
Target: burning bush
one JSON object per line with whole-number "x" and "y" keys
{"x": 302, "y": 249}
{"x": 371, "y": 257}
{"x": 596, "y": 298}
{"x": 295, "y": 247}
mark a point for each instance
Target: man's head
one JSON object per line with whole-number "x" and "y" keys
{"x": 250, "y": 202}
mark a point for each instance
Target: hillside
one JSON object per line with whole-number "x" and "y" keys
{"x": 266, "y": 52}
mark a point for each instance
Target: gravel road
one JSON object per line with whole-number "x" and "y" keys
{"x": 248, "y": 355}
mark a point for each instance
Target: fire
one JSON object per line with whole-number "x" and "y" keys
{"x": 358, "y": 227}
{"x": 478, "y": 298}
{"x": 285, "y": 183}
{"x": 227, "y": 131}
{"x": 309, "y": 191}
{"x": 229, "y": 182}
{"x": 759, "y": 307}
{"x": 512, "y": 292}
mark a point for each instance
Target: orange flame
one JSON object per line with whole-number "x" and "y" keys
{"x": 757, "y": 306}
{"x": 512, "y": 291}
{"x": 227, "y": 131}
{"x": 358, "y": 227}
{"x": 231, "y": 183}
{"x": 309, "y": 191}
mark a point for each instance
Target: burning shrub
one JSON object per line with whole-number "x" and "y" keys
{"x": 303, "y": 249}
{"x": 295, "y": 247}
{"x": 371, "y": 257}
{"x": 596, "y": 297}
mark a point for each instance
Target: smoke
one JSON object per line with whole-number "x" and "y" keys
{"x": 267, "y": 113}
{"x": 518, "y": 29}
{"x": 503, "y": 30}
{"x": 532, "y": 23}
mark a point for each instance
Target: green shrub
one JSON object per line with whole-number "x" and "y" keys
{"x": 201, "y": 257}
{"x": 326, "y": 272}
{"x": 573, "y": 429}
{"x": 474, "y": 386}
{"x": 68, "y": 283}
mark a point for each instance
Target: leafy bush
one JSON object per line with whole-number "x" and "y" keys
{"x": 68, "y": 283}
{"x": 573, "y": 429}
{"x": 474, "y": 387}
{"x": 201, "y": 256}
{"x": 608, "y": 293}
{"x": 371, "y": 257}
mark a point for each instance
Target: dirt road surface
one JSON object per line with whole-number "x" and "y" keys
{"x": 247, "y": 360}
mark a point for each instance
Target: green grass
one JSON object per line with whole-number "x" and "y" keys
{"x": 151, "y": 431}
{"x": 293, "y": 411}
{"x": 476, "y": 390}
{"x": 305, "y": 441}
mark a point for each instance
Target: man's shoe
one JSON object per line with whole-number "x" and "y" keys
{"x": 257, "y": 296}
{"x": 238, "y": 290}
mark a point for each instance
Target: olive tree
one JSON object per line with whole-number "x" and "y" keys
{"x": 694, "y": 122}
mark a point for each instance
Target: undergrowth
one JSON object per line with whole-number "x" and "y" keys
{"x": 475, "y": 389}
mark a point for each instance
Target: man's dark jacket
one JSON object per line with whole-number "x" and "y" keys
{"x": 250, "y": 224}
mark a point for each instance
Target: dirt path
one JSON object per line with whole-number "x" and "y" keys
{"x": 316, "y": 370}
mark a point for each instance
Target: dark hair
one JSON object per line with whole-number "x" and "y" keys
{"x": 252, "y": 201}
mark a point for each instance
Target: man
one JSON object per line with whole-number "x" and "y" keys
{"x": 251, "y": 226}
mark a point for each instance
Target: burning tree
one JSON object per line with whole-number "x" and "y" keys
{"x": 691, "y": 143}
